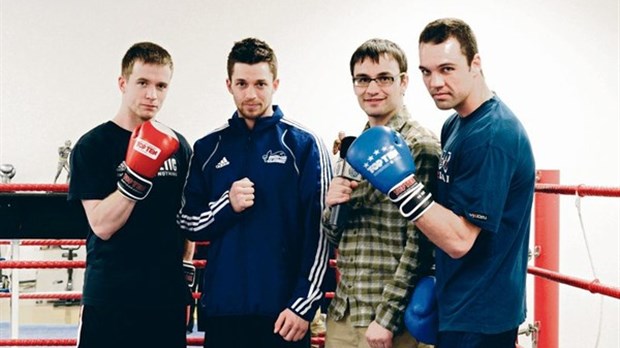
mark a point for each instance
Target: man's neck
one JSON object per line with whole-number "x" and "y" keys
{"x": 383, "y": 120}
{"x": 127, "y": 121}
{"x": 250, "y": 122}
{"x": 477, "y": 97}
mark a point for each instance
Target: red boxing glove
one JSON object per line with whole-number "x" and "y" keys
{"x": 151, "y": 144}
{"x": 190, "y": 273}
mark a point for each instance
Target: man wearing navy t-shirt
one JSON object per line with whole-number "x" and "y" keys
{"x": 486, "y": 174}
{"x": 479, "y": 218}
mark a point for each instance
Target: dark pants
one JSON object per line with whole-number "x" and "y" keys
{"x": 457, "y": 339}
{"x": 122, "y": 327}
{"x": 246, "y": 331}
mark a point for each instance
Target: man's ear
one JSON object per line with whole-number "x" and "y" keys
{"x": 476, "y": 64}
{"x": 276, "y": 83}
{"x": 404, "y": 82}
{"x": 122, "y": 83}
{"x": 229, "y": 86}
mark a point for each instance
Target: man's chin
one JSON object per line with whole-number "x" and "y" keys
{"x": 374, "y": 112}
{"x": 444, "y": 105}
{"x": 249, "y": 116}
{"x": 252, "y": 114}
{"x": 147, "y": 117}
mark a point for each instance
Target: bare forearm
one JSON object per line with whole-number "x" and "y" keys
{"x": 451, "y": 233}
{"x": 188, "y": 253}
{"x": 107, "y": 216}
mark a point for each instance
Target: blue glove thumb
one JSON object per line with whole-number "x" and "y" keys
{"x": 421, "y": 317}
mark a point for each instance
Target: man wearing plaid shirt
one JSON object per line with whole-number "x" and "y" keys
{"x": 381, "y": 255}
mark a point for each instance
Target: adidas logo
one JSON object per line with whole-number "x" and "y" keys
{"x": 223, "y": 163}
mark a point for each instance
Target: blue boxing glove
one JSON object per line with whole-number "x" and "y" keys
{"x": 421, "y": 319}
{"x": 382, "y": 157}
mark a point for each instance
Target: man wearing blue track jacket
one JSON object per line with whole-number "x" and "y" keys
{"x": 255, "y": 190}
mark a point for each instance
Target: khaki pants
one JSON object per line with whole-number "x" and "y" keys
{"x": 341, "y": 334}
{"x": 317, "y": 326}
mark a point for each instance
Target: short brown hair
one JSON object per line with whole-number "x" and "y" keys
{"x": 440, "y": 30}
{"x": 252, "y": 51}
{"x": 373, "y": 49}
{"x": 146, "y": 52}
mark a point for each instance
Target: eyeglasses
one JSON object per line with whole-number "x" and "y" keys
{"x": 382, "y": 81}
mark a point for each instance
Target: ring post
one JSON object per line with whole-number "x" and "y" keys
{"x": 15, "y": 290}
{"x": 547, "y": 228}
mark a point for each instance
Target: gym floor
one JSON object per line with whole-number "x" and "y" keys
{"x": 43, "y": 319}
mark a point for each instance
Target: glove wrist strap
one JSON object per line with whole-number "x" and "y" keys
{"x": 133, "y": 186}
{"x": 189, "y": 270}
{"x": 411, "y": 198}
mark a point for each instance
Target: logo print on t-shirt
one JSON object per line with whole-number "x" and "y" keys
{"x": 169, "y": 168}
{"x": 442, "y": 171}
{"x": 121, "y": 169}
{"x": 478, "y": 216}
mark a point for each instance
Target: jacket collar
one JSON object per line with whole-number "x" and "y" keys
{"x": 238, "y": 123}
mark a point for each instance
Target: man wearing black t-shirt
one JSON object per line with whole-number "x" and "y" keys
{"x": 128, "y": 174}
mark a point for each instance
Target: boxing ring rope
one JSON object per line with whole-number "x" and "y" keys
{"x": 579, "y": 190}
{"x": 59, "y": 242}
{"x": 594, "y": 286}
{"x": 47, "y": 242}
{"x": 191, "y": 341}
{"x": 545, "y": 270}
{"x": 59, "y": 188}
{"x": 72, "y": 342}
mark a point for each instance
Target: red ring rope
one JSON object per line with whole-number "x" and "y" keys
{"x": 34, "y": 187}
{"x": 191, "y": 341}
{"x": 593, "y": 286}
{"x": 581, "y": 190}
{"x": 47, "y": 242}
{"x": 62, "y": 264}
{"x": 78, "y": 295}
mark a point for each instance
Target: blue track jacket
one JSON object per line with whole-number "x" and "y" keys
{"x": 274, "y": 254}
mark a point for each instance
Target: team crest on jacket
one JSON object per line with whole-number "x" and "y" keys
{"x": 275, "y": 157}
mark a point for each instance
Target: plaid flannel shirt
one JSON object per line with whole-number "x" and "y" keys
{"x": 382, "y": 255}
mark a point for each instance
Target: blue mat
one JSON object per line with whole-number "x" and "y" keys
{"x": 51, "y": 331}
{"x": 40, "y": 331}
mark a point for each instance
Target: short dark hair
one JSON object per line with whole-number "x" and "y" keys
{"x": 252, "y": 51}
{"x": 373, "y": 49}
{"x": 146, "y": 52}
{"x": 440, "y": 30}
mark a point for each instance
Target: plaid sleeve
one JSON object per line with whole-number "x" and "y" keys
{"x": 417, "y": 259}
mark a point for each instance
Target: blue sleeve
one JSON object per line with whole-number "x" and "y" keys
{"x": 202, "y": 218}
{"x": 315, "y": 175}
{"x": 481, "y": 186}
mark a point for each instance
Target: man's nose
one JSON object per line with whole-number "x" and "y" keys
{"x": 250, "y": 93}
{"x": 436, "y": 80}
{"x": 151, "y": 92}
{"x": 373, "y": 87}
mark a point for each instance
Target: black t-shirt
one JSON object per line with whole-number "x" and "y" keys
{"x": 141, "y": 264}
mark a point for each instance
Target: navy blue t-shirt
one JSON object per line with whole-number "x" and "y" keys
{"x": 486, "y": 175}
